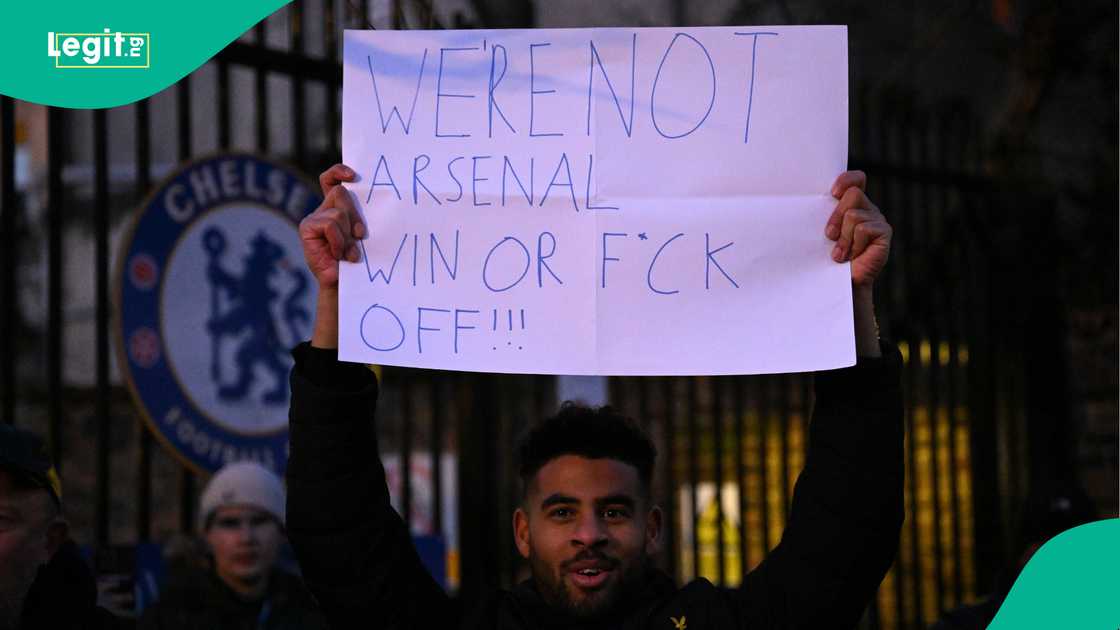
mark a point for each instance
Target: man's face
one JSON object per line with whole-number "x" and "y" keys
{"x": 587, "y": 529}
{"x": 26, "y": 515}
{"x": 245, "y": 541}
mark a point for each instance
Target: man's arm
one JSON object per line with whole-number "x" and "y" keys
{"x": 846, "y": 515}
{"x": 355, "y": 551}
{"x": 847, "y": 507}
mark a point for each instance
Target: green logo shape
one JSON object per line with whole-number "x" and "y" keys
{"x": 1073, "y": 581}
{"x": 88, "y": 55}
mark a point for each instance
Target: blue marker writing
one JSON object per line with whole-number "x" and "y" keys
{"x": 456, "y": 179}
{"x": 649, "y": 272}
{"x": 533, "y": 92}
{"x": 657, "y": 78}
{"x": 603, "y": 263}
{"x": 507, "y": 166}
{"x": 433, "y": 247}
{"x": 420, "y": 327}
{"x": 475, "y": 179}
{"x": 486, "y": 265}
{"x": 627, "y": 123}
{"x": 750, "y": 88}
{"x": 362, "y": 328}
{"x": 416, "y": 170}
{"x": 441, "y": 95}
{"x": 458, "y": 327}
{"x": 568, "y": 182}
{"x": 710, "y": 259}
{"x": 377, "y": 171}
{"x": 415, "y": 96}
{"x": 492, "y": 105}
{"x": 381, "y": 271}
{"x": 542, "y": 259}
{"x": 587, "y": 198}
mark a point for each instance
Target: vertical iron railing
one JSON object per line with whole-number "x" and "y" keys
{"x": 668, "y": 455}
{"x": 56, "y": 218}
{"x": 8, "y": 289}
{"x": 144, "y": 463}
{"x": 186, "y": 476}
{"x": 101, "y": 334}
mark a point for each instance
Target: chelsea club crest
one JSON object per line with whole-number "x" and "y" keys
{"x": 212, "y": 293}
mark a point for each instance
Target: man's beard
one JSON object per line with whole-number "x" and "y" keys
{"x": 558, "y": 593}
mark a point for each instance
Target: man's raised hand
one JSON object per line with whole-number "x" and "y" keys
{"x": 860, "y": 230}
{"x": 329, "y": 234}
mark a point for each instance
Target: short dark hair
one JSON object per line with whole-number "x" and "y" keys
{"x": 591, "y": 432}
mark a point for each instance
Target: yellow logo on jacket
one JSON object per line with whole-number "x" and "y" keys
{"x": 679, "y": 624}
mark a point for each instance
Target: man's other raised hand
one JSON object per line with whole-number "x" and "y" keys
{"x": 330, "y": 234}
{"x": 860, "y": 230}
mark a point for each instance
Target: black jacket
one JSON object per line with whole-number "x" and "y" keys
{"x": 64, "y": 597}
{"x": 201, "y": 601}
{"x": 841, "y": 538}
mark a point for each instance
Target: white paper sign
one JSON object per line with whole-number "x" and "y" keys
{"x": 597, "y": 201}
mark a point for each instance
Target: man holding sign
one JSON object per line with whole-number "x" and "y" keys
{"x": 596, "y": 201}
{"x": 587, "y": 524}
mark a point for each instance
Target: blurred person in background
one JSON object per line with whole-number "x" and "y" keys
{"x": 44, "y": 580}
{"x": 239, "y": 586}
{"x": 1044, "y": 515}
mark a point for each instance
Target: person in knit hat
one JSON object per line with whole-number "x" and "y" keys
{"x": 241, "y": 516}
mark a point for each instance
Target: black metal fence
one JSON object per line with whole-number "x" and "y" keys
{"x": 731, "y": 446}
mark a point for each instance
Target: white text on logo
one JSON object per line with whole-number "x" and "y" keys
{"x": 99, "y": 50}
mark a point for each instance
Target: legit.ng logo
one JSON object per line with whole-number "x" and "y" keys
{"x": 100, "y": 50}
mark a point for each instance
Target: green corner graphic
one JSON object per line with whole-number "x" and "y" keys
{"x": 1071, "y": 582}
{"x": 93, "y": 55}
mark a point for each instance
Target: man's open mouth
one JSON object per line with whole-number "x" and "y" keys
{"x": 590, "y": 578}
{"x": 590, "y": 574}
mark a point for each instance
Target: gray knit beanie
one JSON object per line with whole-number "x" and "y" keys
{"x": 243, "y": 483}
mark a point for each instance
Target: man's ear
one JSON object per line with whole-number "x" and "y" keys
{"x": 521, "y": 531}
{"x": 654, "y": 518}
{"x": 57, "y": 532}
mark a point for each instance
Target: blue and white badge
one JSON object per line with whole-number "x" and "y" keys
{"x": 212, "y": 293}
